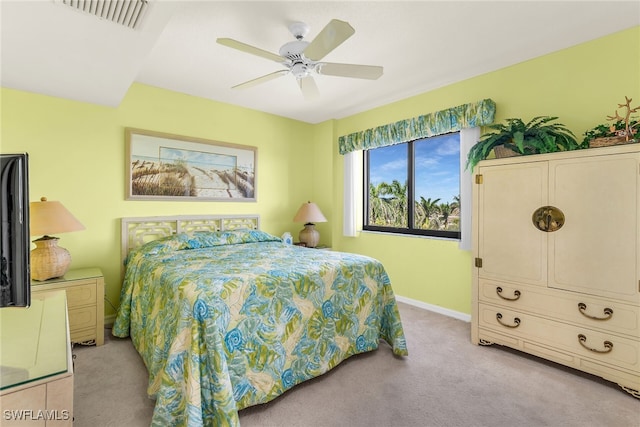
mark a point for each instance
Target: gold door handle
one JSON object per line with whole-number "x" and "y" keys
{"x": 608, "y": 312}
{"x": 608, "y": 345}
{"x": 548, "y": 219}
{"x": 516, "y": 294}
{"x": 516, "y": 321}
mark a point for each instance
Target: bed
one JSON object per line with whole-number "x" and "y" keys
{"x": 226, "y": 316}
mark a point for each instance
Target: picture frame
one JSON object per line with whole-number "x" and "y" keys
{"x": 162, "y": 166}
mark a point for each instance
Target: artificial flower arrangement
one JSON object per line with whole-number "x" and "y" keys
{"x": 623, "y": 130}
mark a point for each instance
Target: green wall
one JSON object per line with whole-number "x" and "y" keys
{"x": 77, "y": 156}
{"x": 580, "y": 85}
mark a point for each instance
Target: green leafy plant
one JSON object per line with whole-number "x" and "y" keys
{"x": 611, "y": 129}
{"x": 535, "y": 137}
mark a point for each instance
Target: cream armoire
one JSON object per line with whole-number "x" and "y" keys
{"x": 556, "y": 271}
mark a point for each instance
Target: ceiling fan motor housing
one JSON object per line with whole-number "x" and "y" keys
{"x": 300, "y": 65}
{"x": 293, "y": 50}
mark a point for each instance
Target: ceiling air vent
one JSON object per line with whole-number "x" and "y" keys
{"x": 127, "y": 13}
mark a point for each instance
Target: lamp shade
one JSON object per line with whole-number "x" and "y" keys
{"x": 51, "y": 218}
{"x": 309, "y": 213}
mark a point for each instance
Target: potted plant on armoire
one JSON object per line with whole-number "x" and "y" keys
{"x": 515, "y": 137}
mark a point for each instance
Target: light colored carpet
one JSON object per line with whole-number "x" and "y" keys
{"x": 445, "y": 381}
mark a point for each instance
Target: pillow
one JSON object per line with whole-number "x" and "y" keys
{"x": 205, "y": 239}
{"x": 164, "y": 245}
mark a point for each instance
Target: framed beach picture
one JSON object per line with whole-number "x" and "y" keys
{"x": 162, "y": 166}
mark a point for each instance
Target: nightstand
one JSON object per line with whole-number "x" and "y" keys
{"x": 85, "y": 302}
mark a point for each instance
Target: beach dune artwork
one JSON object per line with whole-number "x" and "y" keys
{"x": 163, "y": 167}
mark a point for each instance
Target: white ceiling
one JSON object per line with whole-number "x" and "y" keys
{"x": 52, "y": 49}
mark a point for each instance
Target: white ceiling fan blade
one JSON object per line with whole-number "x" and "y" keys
{"x": 371, "y": 72}
{"x": 250, "y": 49}
{"x": 262, "y": 79}
{"x": 331, "y": 36}
{"x": 308, "y": 88}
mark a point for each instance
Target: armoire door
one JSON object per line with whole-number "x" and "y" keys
{"x": 509, "y": 246}
{"x": 596, "y": 251}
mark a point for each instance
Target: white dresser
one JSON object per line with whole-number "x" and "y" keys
{"x": 36, "y": 369}
{"x": 556, "y": 254}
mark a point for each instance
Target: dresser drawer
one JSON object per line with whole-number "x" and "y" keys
{"x": 624, "y": 352}
{"x": 588, "y": 311}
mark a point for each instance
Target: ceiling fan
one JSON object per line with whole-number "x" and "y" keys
{"x": 302, "y": 58}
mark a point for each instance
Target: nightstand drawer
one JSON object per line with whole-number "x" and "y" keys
{"x": 81, "y": 295}
{"x": 83, "y": 335}
{"x": 81, "y": 318}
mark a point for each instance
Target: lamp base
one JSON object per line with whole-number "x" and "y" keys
{"x": 48, "y": 260}
{"x": 309, "y": 235}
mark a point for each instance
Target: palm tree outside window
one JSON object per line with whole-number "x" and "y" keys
{"x": 423, "y": 174}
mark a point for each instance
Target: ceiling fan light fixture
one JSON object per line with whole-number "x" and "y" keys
{"x": 300, "y": 70}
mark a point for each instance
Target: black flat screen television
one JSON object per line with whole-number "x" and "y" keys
{"x": 15, "y": 279}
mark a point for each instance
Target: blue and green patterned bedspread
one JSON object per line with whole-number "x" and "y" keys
{"x": 231, "y": 319}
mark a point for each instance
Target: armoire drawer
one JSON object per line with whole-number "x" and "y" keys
{"x": 586, "y": 343}
{"x": 591, "y": 312}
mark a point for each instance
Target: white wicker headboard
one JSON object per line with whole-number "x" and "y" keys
{"x": 138, "y": 231}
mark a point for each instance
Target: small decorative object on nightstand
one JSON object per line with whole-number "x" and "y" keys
{"x": 85, "y": 302}
{"x": 287, "y": 238}
{"x": 48, "y": 260}
{"x": 309, "y": 213}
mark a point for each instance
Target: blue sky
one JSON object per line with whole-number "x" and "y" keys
{"x": 437, "y": 166}
{"x": 198, "y": 158}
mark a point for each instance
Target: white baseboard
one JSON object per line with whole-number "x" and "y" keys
{"x": 437, "y": 309}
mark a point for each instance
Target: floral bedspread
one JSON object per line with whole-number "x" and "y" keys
{"x": 231, "y": 319}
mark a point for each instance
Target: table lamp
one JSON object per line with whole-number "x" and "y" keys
{"x": 309, "y": 213}
{"x": 48, "y": 260}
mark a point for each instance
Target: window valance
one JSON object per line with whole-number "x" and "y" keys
{"x": 440, "y": 122}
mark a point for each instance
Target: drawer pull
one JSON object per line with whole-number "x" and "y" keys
{"x": 608, "y": 312}
{"x": 516, "y": 294}
{"x": 515, "y": 320}
{"x": 608, "y": 345}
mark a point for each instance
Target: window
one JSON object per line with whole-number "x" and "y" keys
{"x": 423, "y": 174}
